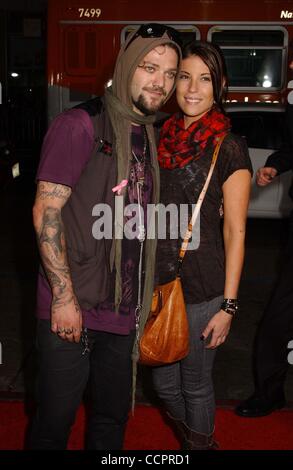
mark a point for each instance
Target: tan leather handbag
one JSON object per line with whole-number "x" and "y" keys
{"x": 166, "y": 335}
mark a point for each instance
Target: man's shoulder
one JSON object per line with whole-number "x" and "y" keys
{"x": 79, "y": 118}
{"x": 86, "y": 109}
{"x": 93, "y": 106}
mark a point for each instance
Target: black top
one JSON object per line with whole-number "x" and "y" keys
{"x": 203, "y": 273}
{"x": 282, "y": 160}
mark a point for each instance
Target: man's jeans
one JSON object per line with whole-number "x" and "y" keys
{"x": 63, "y": 376}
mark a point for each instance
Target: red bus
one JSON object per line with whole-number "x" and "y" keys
{"x": 84, "y": 37}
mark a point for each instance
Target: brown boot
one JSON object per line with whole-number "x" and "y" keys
{"x": 181, "y": 430}
{"x": 198, "y": 441}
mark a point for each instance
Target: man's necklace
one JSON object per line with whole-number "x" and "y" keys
{"x": 140, "y": 178}
{"x": 141, "y": 160}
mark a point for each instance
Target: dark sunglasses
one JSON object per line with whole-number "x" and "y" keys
{"x": 157, "y": 30}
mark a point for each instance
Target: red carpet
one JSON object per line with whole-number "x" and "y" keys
{"x": 147, "y": 430}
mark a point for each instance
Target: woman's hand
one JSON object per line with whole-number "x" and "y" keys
{"x": 219, "y": 326}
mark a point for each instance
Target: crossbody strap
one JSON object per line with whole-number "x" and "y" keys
{"x": 201, "y": 197}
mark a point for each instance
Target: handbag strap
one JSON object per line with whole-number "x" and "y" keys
{"x": 201, "y": 197}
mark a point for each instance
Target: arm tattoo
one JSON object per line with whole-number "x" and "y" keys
{"x": 58, "y": 301}
{"x": 53, "y": 191}
{"x": 51, "y": 230}
{"x": 53, "y": 252}
{"x": 55, "y": 281}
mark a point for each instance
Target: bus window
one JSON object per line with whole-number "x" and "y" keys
{"x": 248, "y": 38}
{"x": 254, "y": 68}
{"x": 255, "y": 59}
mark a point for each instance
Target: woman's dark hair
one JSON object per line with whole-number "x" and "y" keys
{"x": 213, "y": 57}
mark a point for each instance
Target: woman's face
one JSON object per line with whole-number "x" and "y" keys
{"x": 194, "y": 91}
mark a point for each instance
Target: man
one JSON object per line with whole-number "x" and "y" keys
{"x": 90, "y": 303}
{"x": 276, "y": 328}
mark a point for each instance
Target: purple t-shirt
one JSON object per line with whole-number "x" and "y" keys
{"x": 65, "y": 152}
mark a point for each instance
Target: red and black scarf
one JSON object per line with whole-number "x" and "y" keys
{"x": 178, "y": 146}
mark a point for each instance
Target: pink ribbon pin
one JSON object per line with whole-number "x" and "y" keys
{"x": 120, "y": 186}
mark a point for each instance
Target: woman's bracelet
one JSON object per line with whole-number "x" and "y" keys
{"x": 230, "y": 306}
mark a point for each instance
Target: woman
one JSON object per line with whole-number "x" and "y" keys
{"x": 211, "y": 273}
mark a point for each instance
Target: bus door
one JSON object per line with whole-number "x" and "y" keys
{"x": 86, "y": 63}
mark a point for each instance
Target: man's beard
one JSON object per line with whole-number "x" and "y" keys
{"x": 146, "y": 109}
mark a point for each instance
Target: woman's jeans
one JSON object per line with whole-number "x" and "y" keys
{"x": 186, "y": 387}
{"x": 63, "y": 376}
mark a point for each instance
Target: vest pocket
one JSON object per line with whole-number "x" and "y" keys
{"x": 90, "y": 277}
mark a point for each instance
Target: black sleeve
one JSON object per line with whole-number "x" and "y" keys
{"x": 282, "y": 159}
{"x": 233, "y": 156}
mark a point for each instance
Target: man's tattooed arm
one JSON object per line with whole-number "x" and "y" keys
{"x": 50, "y": 199}
{"x": 66, "y": 316}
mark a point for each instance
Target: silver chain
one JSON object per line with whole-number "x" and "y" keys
{"x": 140, "y": 237}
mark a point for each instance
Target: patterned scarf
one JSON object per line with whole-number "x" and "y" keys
{"x": 178, "y": 146}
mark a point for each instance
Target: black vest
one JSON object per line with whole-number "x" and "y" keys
{"x": 88, "y": 258}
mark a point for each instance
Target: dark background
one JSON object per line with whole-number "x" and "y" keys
{"x": 23, "y": 51}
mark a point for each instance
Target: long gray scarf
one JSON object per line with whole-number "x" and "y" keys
{"x": 121, "y": 118}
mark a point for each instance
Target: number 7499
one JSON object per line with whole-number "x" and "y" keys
{"x": 89, "y": 12}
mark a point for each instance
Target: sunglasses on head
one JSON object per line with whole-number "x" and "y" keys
{"x": 156, "y": 30}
